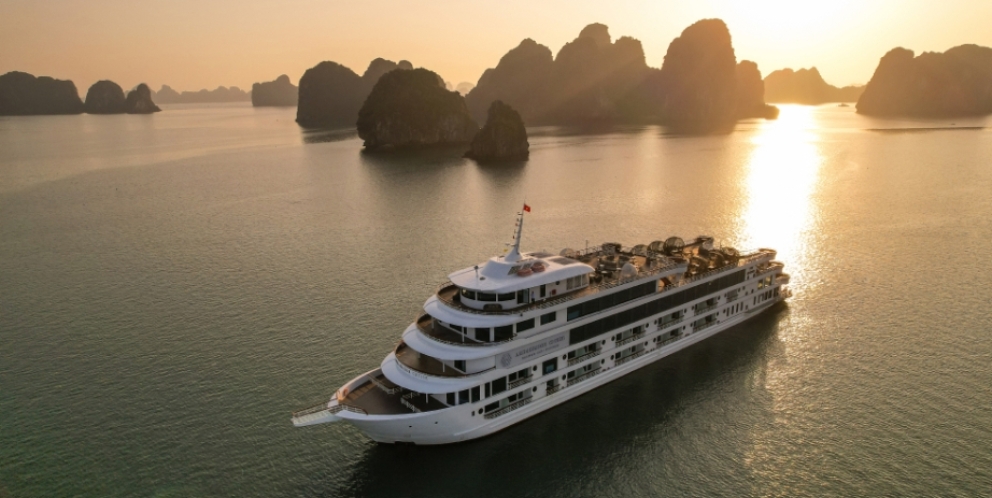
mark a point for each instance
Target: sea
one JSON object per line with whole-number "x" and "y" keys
{"x": 173, "y": 286}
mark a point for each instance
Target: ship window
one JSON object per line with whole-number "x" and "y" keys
{"x": 525, "y": 325}
{"x": 488, "y": 390}
{"x": 486, "y": 296}
{"x": 468, "y": 294}
{"x": 521, "y": 374}
{"x": 499, "y": 385}
{"x": 463, "y": 397}
{"x": 509, "y": 296}
{"x": 482, "y": 335}
{"x": 544, "y": 290}
{"x": 450, "y": 399}
{"x": 550, "y": 366}
{"x": 456, "y": 327}
{"x": 491, "y": 407}
{"x": 475, "y": 394}
{"x": 503, "y": 333}
{"x": 548, "y": 318}
{"x": 460, "y": 365}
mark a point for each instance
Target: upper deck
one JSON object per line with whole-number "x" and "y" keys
{"x": 603, "y": 268}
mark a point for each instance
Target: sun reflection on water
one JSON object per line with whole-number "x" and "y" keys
{"x": 781, "y": 174}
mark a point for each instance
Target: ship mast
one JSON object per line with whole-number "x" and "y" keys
{"x": 514, "y": 255}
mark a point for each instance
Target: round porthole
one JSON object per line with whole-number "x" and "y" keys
{"x": 564, "y": 356}
{"x": 534, "y": 390}
{"x": 602, "y": 362}
{"x": 535, "y": 368}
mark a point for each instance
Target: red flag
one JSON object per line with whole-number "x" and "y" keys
{"x": 526, "y": 208}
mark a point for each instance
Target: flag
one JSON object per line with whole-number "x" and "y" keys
{"x": 526, "y": 207}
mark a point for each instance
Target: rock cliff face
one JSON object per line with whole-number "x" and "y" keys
{"x": 331, "y": 94}
{"x": 139, "y": 101}
{"x": 751, "y": 93}
{"x": 413, "y": 109}
{"x": 22, "y": 94}
{"x": 806, "y": 86}
{"x": 521, "y": 80}
{"x": 105, "y": 97}
{"x": 592, "y": 78}
{"x": 698, "y": 77}
{"x": 502, "y": 138}
{"x": 278, "y": 93}
{"x": 956, "y": 82}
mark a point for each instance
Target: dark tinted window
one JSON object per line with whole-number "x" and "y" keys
{"x": 486, "y": 296}
{"x": 548, "y": 318}
{"x": 499, "y": 385}
{"x": 525, "y": 325}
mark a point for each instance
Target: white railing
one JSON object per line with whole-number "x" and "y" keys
{"x": 580, "y": 378}
{"x": 508, "y": 408}
{"x": 625, "y": 359}
{"x": 405, "y": 402}
{"x": 580, "y": 359}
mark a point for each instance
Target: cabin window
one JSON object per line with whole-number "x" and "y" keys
{"x": 460, "y": 365}
{"x": 550, "y": 366}
{"x": 505, "y": 297}
{"x": 486, "y": 296}
{"x": 488, "y": 391}
{"x": 520, "y": 374}
{"x": 468, "y": 294}
{"x": 463, "y": 397}
{"x": 548, "y": 318}
{"x": 525, "y": 325}
{"x": 523, "y": 296}
{"x": 475, "y": 394}
{"x": 503, "y": 333}
{"x": 544, "y": 290}
{"x": 482, "y": 335}
{"x": 499, "y": 385}
{"x": 450, "y": 398}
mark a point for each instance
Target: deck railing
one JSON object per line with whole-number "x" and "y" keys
{"x": 405, "y": 402}
{"x": 630, "y": 339}
{"x": 508, "y": 408}
{"x": 700, "y": 311}
{"x": 450, "y": 302}
{"x": 580, "y": 378}
{"x": 625, "y": 359}
{"x": 699, "y": 327}
{"x": 580, "y": 359}
{"x": 519, "y": 382}
{"x": 381, "y": 385}
{"x": 551, "y": 390}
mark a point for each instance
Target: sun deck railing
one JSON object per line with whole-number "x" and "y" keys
{"x": 596, "y": 288}
{"x": 636, "y": 355}
{"x": 580, "y": 378}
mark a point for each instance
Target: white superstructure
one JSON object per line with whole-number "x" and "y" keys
{"x": 519, "y": 334}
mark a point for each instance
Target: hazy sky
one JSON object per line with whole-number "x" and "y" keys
{"x": 206, "y": 43}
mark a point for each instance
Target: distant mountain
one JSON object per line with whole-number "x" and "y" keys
{"x": 464, "y": 87}
{"x": 331, "y": 94}
{"x": 22, "y": 94}
{"x": 956, "y": 82}
{"x": 166, "y": 95}
{"x": 594, "y": 79}
{"x": 806, "y": 86}
{"x": 139, "y": 101}
{"x": 278, "y": 93}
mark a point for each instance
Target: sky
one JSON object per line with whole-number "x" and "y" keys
{"x": 190, "y": 45}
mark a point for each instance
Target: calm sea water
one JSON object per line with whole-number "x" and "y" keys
{"x": 173, "y": 286}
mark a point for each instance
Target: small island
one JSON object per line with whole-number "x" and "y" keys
{"x": 105, "y": 97}
{"x": 330, "y": 94}
{"x": 278, "y": 93}
{"x": 806, "y": 86}
{"x": 22, "y": 94}
{"x": 139, "y": 101}
{"x": 502, "y": 138}
{"x": 412, "y": 108}
{"x": 954, "y": 83}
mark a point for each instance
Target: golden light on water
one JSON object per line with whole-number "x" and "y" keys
{"x": 781, "y": 175}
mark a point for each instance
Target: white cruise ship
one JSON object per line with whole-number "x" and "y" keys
{"x": 521, "y": 333}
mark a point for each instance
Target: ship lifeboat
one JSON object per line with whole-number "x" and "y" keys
{"x": 524, "y": 272}
{"x": 538, "y": 267}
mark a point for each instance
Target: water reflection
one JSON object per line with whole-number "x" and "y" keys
{"x": 782, "y": 172}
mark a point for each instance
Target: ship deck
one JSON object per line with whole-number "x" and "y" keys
{"x": 387, "y": 398}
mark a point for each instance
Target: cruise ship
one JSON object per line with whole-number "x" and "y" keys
{"x": 523, "y": 332}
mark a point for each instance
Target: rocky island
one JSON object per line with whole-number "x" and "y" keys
{"x": 957, "y": 82}
{"x": 278, "y": 93}
{"x": 139, "y": 101}
{"x": 331, "y": 94}
{"x": 22, "y": 94}
{"x": 105, "y": 97}
{"x": 502, "y": 138}
{"x": 596, "y": 79}
{"x": 806, "y": 86}
{"x": 412, "y": 108}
